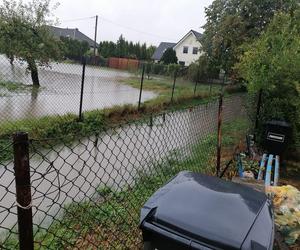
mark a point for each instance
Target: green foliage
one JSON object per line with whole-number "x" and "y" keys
{"x": 202, "y": 70}
{"x": 14, "y": 86}
{"x": 230, "y": 23}
{"x": 123, "y": 48}
{"x": 272, "y": 63}
{"x": 172, "y": 68}
{"x": 74, "y": 49}
{"x": 24, "y": 34}
{"x": 169, "y": 56}
{"x": 159, "y": 69}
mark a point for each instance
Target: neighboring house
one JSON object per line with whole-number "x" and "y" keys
{"x": 187, "y": 49}
{"x": 161, "y": 50}
{"x": 73, "y": 34}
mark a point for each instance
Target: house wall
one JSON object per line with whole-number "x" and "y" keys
{"x": 190, "y": 41}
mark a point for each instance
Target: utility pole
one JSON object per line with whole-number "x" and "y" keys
{"x": 95, "y": 43}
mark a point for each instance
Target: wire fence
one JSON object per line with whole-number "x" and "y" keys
{"x": 65, "y": 87}
{"x": 86, "y": 192}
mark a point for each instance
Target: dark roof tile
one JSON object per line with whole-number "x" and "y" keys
{"x": 71, "y": 33}
{"x": 161, "y": 50}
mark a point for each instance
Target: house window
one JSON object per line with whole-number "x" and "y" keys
{"x": 182, "y": 63}
{"x": 185, "y": 49}
{"x": 195, "y": 50}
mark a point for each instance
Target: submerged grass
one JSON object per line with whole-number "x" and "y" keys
{"x": 110, "y": 219}
{"x": 14, "y": 86}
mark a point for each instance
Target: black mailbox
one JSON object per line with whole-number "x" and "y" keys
{"x": 277, "y": 136}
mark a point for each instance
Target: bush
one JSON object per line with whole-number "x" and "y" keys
{"x": 172, "y": 68}
{"x": 272, "y": 63}
{"x": 158, "y": 69}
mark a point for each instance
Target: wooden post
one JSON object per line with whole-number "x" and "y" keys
{"x": 23, "y": 190}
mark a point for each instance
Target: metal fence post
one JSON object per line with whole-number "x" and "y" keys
{"x": 82, "y": 89}
{"x": 258, "y": 109}
{"x": 141, "y": 87}
{"x": 23, "y": 190}
{"x": 197, "y": 80}
{"x": 210, "y": 81}
{"x": 174, "y": 83}
{"x": 219, "y": 139}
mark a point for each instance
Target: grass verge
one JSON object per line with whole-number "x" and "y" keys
{"x": 14, "y": 86}
{"x": 110, "y": 219}
{"x": 67, "y": 126}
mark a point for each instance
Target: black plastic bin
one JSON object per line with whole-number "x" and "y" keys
{"x": 195, "y": 211}
{"x": 277, "y": 136}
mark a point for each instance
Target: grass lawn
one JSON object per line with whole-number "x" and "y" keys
{"x": 164, "y": 85}
{"x": 110, "y": 219}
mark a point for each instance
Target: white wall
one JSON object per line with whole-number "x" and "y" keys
{"x": 190, "y": 41}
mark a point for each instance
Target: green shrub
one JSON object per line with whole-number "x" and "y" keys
{"x": 272, "y": 63}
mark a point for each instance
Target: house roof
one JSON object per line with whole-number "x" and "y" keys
{"x": 195, "y": 33}
{"x": 71, "y": 33}
{"x": 161, "y": 50}
{"x": 165, "y": 45}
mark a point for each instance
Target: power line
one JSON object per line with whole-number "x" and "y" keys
{"x": 120, "y": 25}
{"x": 77, "y": 19}
{"x": 136, "y": 30}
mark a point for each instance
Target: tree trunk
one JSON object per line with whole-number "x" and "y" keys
{"x": 11, "y": 60}
{"x": 34, "y": 72}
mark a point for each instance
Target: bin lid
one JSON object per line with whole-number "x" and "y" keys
{"x": 205, "y": 208}
{"x": 278, "y": 123}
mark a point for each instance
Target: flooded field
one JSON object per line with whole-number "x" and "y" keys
{"x": 60, "y": 90}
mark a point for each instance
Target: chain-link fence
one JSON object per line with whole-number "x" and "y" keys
{"x": 86, "y": 192}
{"x": 64, "y": 87}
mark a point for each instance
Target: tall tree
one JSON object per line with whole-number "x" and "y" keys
{"x": 272, "y": 63}
{"x": 74, "y": 49}
{"x": 169, "y": 56}
{"x": 121, "y": 47}
{"x": 230, "y": 23}
{"x": 24, "y": 25}
{"x": 128, "y": 49}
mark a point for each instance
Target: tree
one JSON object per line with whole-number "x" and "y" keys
{"x": 169, "y": 56}
{"x": 230, "y": 23}
{"x": 24, "y": 25}
{"x": 272, "y": 63}
{"x": 74, "y": 49}
{"x": 121, "y": 47}
{"x": 124, "y": 48}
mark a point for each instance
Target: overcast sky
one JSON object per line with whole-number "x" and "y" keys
{"x": 150, "y": 21}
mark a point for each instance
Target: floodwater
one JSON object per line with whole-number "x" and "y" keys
{"x": 65, "y": 174}
{"x": 60, "y": 90}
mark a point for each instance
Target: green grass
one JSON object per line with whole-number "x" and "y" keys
{"x": 68, "y": 126}
{"x": 110, "y": 221}
{"x": 14, "y": 87}
{"x": 163, "y": 86}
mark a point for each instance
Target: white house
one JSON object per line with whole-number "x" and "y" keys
{"x": 187, "y": 49}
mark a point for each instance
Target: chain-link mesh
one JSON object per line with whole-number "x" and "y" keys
{"x": 60, "y": 89}
{"x": 87, "y": 192}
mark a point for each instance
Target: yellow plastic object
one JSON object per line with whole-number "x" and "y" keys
{"x": 286, "y": 200}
